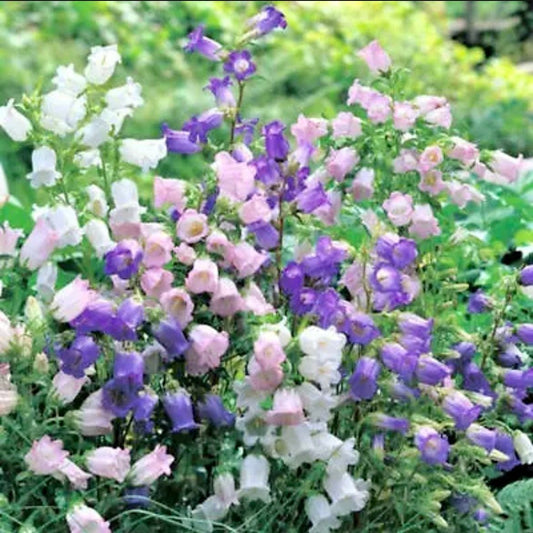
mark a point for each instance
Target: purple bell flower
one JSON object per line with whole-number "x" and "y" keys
{"x": 474, "y": 380}
{"x": 525, "y": 333}
{"x": 246, "y": 129}
{"x": 292, "y": 278}
{"x": 482, "y": 437}
{"x": 277, "y": 146}
{"x": 267, "y": 170}
{"x": 179, "y": 141}
{"x": 385, "y": 278}
{"x": 294, "y": 185}
{"x": 124, "y": 259}
{"x": 266, "y": 235}
{"x": 430, "y": 371}
{"x": 433, "y": 448}
{"x": 266, "y": 21}
{"x": 129, "y": 364}
{"x": 169, "y": 334}
{"x": 203, "y": 45}
{"x": 303, "y": 301}
{"x": 390, "y": 423}
{"x": 510, "y": 357}
{"x": 396, "y": 358}
{"x": 516, "y": 379}
{"x": 416, "y": 345}
{"x": 461, "y": 409}
{"x": 96, "y": 316}
{"x": 220, "y": 88}
{"x": 199, "y": 126}
{"x": 504, "y": 444}
{"x": 212, "y": 409}
{"x": 399, "y": 254}
{"x": 363, "y": 382}
{"x": 312, "y": 198}
{"x": 326, "y": 307}
{"x": 144, "y": 407}
{"x": 360, "y": 329}
{"x": 402, "y": 392}
{"x": 80, "y": 355}
{"x": 478, "y": 302}
{"x": 179, "y": 409}
{"x": 411, "y": 324}
{"x": 240, "y": 64}
{"x": 129, "y": 316}
{"x": 523, "y": 411}
{"x": 120, "y": 394}
{"x": 526, "y": 275}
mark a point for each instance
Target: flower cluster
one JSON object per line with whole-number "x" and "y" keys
{"x": 286, "y": 321}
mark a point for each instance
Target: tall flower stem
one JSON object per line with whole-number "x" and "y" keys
{"x": 237, "y": 110}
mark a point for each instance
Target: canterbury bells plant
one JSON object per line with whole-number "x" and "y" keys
{"x": 283, "y": 345}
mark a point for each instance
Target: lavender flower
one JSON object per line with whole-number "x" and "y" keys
{"x": 525, "y": 333}
{"x": 433, "y": 448}
{"x": 246, "y": 129}
{"x": 461, "y": 409}
{"x": 396, "y": 358}
{"x": 266, "y": 235}
{"x": 179, "y": 141}
{"x": 240, "y": 64}
{"x": 123, "y": 326}
{"x": 411, "y": 324}
{"x": 482, "y": 437}
{"x": 292, "y": 278}
{"x": 129, "y": 364}
{"x": 303, "y": 301}
{"x": 203, "y": 45}
{"x": 266, "y": 21}
{"x": 199, "y": 126}
{"x": 220, "y": 88}
{"x": 212, "y": 409}
{"x": 390, "y": 423}
{"x": 504, "y": 444}
{"x": 478, "y": 302}
{"x": 431, "y": 371}
{"x": 363, "y": 382}
{"x": 526, "y": 276}
{"x": 277, "y": 147}
{"x": 360, "y": 329}
{"x": 179, "y": 409}
{"x": 400, "y": 254}
{"x": 169, "y": 334}
{"x": 124, "y": 259}
{"x": 312, "y": 198}
{"x": 79, "y": 356}
{"x": 120, "y": 394}
{"x": 385, "y": 278}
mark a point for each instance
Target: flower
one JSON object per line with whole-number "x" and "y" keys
{"x": 64, "y": 221}
{"x": 363, "y": 382}
{"x": 145, "y": 154}
{"x": 71, "y": 300}
{"x": 45, "y": 456}
{"x": 185, "y": 254}
{"x": 170, "y": 335}
{"x": 156, "y": 281}
{"x": 255, "y": 209}
{"x": 523, "y": 447}
{"x": 375, "y": 57}
{"x": 320, "y": 514}
{"x": 38, "y": 246}
{"x": 179, "y": 141}
{"x": 287, "y": 409}
{"x": 169, "y": 192}
{"x": 346, "y": 494}
{"x": 235, "y": 180}
{"x": 404, "y": 115}
{"x": 44, "y": 171}
{"x": 14, "y": 123}
{"x": 423, "y": 223}
{"x": 207, "y": 346}
{"x": 346, "y": 124}
{"x": 226, "y": 300}
{"x": 178, "y": 304}
{"x": 463, "y": 151}
{"x": 254, "y": 479}
{"x": 203, "y": 45}
{"x": 81, "y": 354}
{"x": 192, "y": 226}
{"x": 203, "y": 277}
{"x": 266, "y": 21}
{"x": 433, "y": 448}
{"x": 254, "y": 301}
{"x": 276, "y": 145}
{"x": 179, "y": 409}
{"x": 220, "y": 88}
{"x": 341, "y": 162}
{"x": 430, "y": 371}
{"x": 430, "y": 158}
{"x": 240, "y": 64}
{"x": 461, "y": 409}
{"x": 399, "y": 208}
{"x": 150, "y": 467}
{"x": 66, "y": 387}
{"x": 101, "y": 63}
{"x": 97, "y": 233}
{"x": 212, "y": 409}
{"x": 111, "y": 463}
{"x": 525, "y": 333}
{"x": 362, "y": 187}
{"x": 93, "y": 419}
{"x": 247, "y": 260}
{"x": 8, "y": 239}
{"x": 61, "y": 112}
{"x": 81, "y": 519}
{"x": 128, "y": 95}
{"x": 157, "y": 248}
{"x": 506, "y": 166}
{"x": 478, "y": 302}
{"x": 481, "y": 436}
{"x": 390, "y": 423}
{"x": 124, "y": 259}
{"x": 526, "y": 276}
{"x": 308, "y": 130}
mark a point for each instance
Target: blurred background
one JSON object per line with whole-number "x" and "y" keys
{"x": 477, "y": 54}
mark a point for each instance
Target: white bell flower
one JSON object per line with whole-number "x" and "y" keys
{"x": 281, "y": 330}
{"x": 347, "y": 495}
{"x": 322, "y": 343}
{"x": 523, "y": 447}
{"x": 46, "y": 281}
{"x": 95, "y": 133}
{"x": 101, "y": 63}
{"x": 145, "y": 154}
{"x": 63, "y": 220}
{"x": 98, "y": 234}
{"x": 97, "y": 201}
{"x": 254, "y": 478}
{"x": 14, "y": 123}
{"x": 44, "y": 171}
{"x": 128, "y": 95}
{"x": 319, "y": 512}
{"x": 318, "y": 404}
{"x": 342, "y": 457}
{"x": 323, "y": 371}
{"x": 88, "y": 158}
{"x": 300, "y": 445}
{"x": 115, "y": 117}
{"x": 61, "y": 112}
{"x": 68, "y": 80}
{"x": 224, "y": 488}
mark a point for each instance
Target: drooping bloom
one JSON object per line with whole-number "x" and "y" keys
{"x": 178, "y": 304}
{"x": 461, "y": 409}
{"x": 124, "y": 259}
{"x": 220, "y": 88}
{"x": 433, "y": 448}
{"x": 179, "y": 141}
{"x": 178, "y": 406}
{"x": 478, "y": 302}
{"x": 170, "y": 335}
{"x": 203, "y": 45}
{"x": 363, "y": 382}
{"x": 101, "y": 63}
{"x": 266, "y": 21}
{"x": 207, "y": 346}
{"x": 145, "y": 153}
{"x": 39, "y": 244}
{"x": 254, "y": 478}
{"x": 14, "y": 123}
{"x": 399, "y": 208}
{"x": 276, "y": 145}
{"x": 287, "y": 409}
{"x": 423, "y": 223}
{"x": 81, "y": 519}
{"x": 81, "y": 354}
{"x": 203, "y": 277}
{"x": 111, "y": 463}
{"x": 375, "y": 57}
{"x": 226, "y": 300}
{"x": 93, "y": 419}
{"x": 390, "y": 423}
{"x": 341, "y": 162}
{"x": 235, "y": 179}
{"x": 151, "y": 467}
{"x": 44, "y": 171}
{"x": 169, "y": 192}
{"x": 71, "y": 300}
{"x": 46, "y": 456}
{"x": 346, "y": 124}
{"x": 212, "y": 409}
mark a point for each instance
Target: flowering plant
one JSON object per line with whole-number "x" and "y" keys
{"x": 283, "y": 345}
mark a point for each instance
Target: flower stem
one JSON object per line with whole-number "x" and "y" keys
{"x": 237, "y": 110}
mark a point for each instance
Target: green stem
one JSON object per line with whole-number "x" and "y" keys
{"x": 237, "y": 109}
